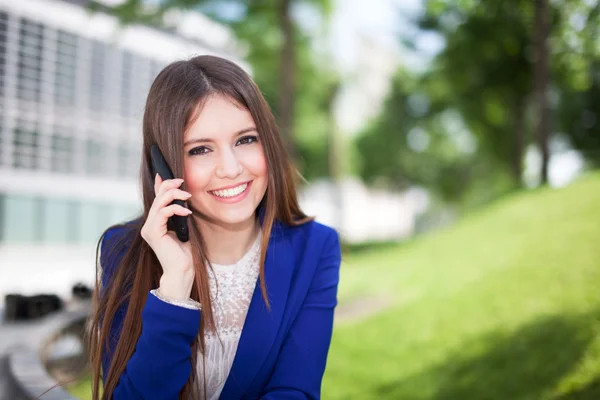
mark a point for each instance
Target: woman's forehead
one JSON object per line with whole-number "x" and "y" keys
{"x": 218, "y": 117}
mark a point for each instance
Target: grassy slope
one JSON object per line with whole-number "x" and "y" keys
{"x": 504, "y": 305}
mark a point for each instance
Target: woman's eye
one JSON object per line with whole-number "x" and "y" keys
{"x": 200, "y": 150}
{"x": 247, "y": 140}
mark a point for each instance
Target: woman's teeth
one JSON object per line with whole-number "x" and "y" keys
{"x": 232, "y": 192}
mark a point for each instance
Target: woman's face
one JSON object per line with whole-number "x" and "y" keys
{"x": 225, "y": 167}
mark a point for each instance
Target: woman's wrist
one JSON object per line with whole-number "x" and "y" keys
{"x": 176, "y": 287}
{"x": 187, "y": 303}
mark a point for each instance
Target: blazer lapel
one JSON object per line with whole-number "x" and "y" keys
{"x": 261, "y": 325}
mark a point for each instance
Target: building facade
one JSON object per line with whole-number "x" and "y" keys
{"x": 72, "y": 91}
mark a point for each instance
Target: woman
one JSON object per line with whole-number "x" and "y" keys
{"x": 244, "y": 309}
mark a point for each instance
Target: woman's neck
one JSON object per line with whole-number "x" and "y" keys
{"x": 227, "y": 244}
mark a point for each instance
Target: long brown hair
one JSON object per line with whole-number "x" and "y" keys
{"x": 178, "y": 90}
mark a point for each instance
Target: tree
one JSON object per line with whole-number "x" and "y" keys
{"x": 269, "y": 29}
{"x": 485, "y": 72}
{"x": 576, "y": 67}
{"x": 542, "y": 76}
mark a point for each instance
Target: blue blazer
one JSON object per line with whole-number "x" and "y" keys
{"x": 281, "y": 354}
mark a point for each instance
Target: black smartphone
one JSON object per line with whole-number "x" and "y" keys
{"x": 176, "y": 223}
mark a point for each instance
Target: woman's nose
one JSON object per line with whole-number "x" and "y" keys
{"x": 229, "y": 166}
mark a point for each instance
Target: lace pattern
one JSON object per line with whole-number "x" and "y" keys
{"x": 231, "y": 288}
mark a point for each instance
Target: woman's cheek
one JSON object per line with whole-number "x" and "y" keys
{"x": 255, "y": 161}
{"x": 197, "y": 175}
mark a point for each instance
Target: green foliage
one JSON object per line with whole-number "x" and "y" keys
{"x": 488, "y": 71}
{"x": 484, "y": 77}
{"x": 442, "y": 164}
{"x": 502, "y": 305}
{"x": 579, "y": 116}
{"x": 256, "y": 24}
{"x": 314, "y": 81}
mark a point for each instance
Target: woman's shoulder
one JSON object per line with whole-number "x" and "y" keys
{"x": 115, "y": 241}
{"x": 314, "y": 229}
{"x": 120, "y": 231}
{"x": 312, "y": 234}
{"x": 313, "y": 254}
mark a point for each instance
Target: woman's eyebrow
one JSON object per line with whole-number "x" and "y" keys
{"x": 204, "y": 140}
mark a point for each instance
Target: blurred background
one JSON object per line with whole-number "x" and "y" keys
{"x": 453, "y": 144}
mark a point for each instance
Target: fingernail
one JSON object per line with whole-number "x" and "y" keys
{"x": 189, "y": 211}
{"x": 188, "y": 194}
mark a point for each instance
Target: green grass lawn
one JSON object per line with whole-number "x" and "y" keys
{"x": 503, "y": 305}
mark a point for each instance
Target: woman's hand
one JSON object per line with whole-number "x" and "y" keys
{"x": 174, "y": 256}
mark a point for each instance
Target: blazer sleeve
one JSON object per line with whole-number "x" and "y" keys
{"x": 301, "y": 362}
{"x": 160, "y": 365}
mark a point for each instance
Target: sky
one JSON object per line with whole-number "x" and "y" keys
{"x": 385, "y": 21}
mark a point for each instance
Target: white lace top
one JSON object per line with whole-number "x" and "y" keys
{"x": 231, "y": 288}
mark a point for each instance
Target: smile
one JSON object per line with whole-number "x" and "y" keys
{"x": 231, "y": 192}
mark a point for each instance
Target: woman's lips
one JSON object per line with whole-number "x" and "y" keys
{"x": 232, "y": 195}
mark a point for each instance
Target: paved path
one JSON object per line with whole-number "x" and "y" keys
{"x": 360, "y": 308}
{"x": 8, "y": 389}
{"x": 26, "y": 338}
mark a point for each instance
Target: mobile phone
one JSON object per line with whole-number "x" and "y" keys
{"x": 178, "y": 223}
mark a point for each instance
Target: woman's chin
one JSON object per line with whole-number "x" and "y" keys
{"x": 234, "y": 217}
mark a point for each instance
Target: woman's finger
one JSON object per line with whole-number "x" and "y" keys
{"x": 156, "y": 224}
{"x": 157, "y": 182}
{"x": 169, "y": 211}
{"x": 172, "y": 194}
{"x": 168, "y": 184}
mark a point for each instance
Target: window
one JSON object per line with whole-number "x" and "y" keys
{"x": 128, "y": 162}
{"x": 30, "y": 61}
{"x": 2, "y": 217}
{"x": 61, "y": 154}
{"x": 22, "y": 218}
{"x": 97, "y": 81}
{"x": 26, "y": 145}
{"x": 3, "y": 33}
{"x": 126, "y": 75}
{"x": 58, "y": 221}
{"x": 66, "y": 61}
{"x": 92, "y": 219}
{"x": 123, "y": 213}
{"x": 2, "y": 141}
{"x": 95, "y": 157}
{"x": 155, "y": 68}
{"x": 140, "y": 85}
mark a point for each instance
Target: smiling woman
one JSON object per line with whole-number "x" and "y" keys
{"x": 225, "y": 166}
{"x": 245, "y": 307}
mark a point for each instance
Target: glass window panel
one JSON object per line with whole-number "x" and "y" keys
{"x": 95, "y": 157}
{"x": 3, "y": 32}
{"x": 97, "y": 71}
{"x": 30, "y": 60}
{"x": 62, "y": 152}
{"x": 57, "y": 214}
{"x": 21, "y": 215}
{"x": 26, "y": 145}
{"x": 66, "y": 62}
{"x": 3, "y": 221}
{"x": 92, "y": 219}
{"x": 126, "y": 81}
{"x": 124, "y": 213}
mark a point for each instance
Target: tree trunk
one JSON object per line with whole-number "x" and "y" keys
{"x": 541, "y": 78}
{"x": 287, "y": 74}
{"x": 334, "y": 152}
{"x": 519, "y": 142}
